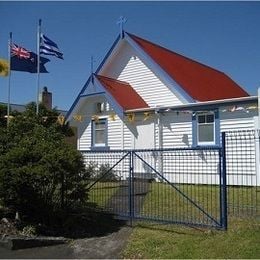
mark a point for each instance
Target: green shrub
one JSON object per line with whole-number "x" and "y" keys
{"x": 103, "y": 173}
{"x": 40, "y": 173}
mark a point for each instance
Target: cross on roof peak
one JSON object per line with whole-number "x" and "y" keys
{"x": 121, "y": 21}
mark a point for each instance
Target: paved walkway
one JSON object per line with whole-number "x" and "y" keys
{"x": 119, "y": 203}
{"x": 104, "y": 247}
{"x": 108, "y": 247}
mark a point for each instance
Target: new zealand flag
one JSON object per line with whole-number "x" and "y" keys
{"x": 24, "y": 60}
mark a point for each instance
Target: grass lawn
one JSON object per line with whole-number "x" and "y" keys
{"x": 242, "y": 240}
{"x": 101, "y": 192}
{"x": 148, "y": 240}
{"x": 165, "y": 203}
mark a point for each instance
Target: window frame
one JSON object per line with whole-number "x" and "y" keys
{"x": 195, "y": 129}
{"x": 93, "y": 134}
{"x": 206, "y": 123}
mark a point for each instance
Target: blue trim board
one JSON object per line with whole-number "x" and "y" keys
{"x": 89, "y": 79}
{"x": 92, "y": 134}
{"x": 217, "y": 127}
{"x": 93, "y": 94}
{"x": 194, "y": 132}
{"x": 77, "y": 98}
{"x": 108, "y": 54}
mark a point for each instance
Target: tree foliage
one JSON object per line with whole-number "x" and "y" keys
{"x": 40, "y": 173}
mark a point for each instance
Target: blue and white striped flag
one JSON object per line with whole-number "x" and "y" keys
{"x": 48, "y": 47}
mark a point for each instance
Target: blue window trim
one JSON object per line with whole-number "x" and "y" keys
{"x": 195, "y": 129}
{"x": 93, "y": 146}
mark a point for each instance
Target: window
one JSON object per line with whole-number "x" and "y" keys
{"x": 206, "y": 131}
{"x": 99, "y": 133}
{"x": 205, "y": 128}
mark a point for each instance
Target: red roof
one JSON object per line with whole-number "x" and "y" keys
{"x": 123, "y": 93}
{"x": 201, "y": 82}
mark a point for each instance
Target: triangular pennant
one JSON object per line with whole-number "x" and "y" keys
{"x": 95, "y": 118}
{"x": 147, "y": 115}
{"x": 112, "y": 117}
{"x": 131, "y": 117}
{"x": 61, "y": 119}
{"x": 78, "y": 118}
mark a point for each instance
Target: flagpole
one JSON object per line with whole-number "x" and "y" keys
{"x": 9, "y": 78}
{"x": 258, "y": 94}
{"x": 38, "y": 65}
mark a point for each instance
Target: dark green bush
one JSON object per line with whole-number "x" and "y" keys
{"x": 40, "y": 174}
{"x": 102, "y": 173}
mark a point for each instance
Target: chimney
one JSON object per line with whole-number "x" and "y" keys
{"x": 46, "y": 98}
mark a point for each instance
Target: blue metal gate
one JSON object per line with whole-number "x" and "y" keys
{"x": 185, "y": 186}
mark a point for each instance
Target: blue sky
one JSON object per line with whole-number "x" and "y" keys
{"x": 223, "y": 35}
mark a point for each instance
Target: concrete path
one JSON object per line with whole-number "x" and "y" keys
{"x": 106, "y": 247}
{"x": 119, "y": 203}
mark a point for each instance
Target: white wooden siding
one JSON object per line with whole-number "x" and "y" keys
{"x": 127, "y": 66}
{"x": 115, "y": 138}
{"x": 84, "y": 135}
{"x": 241, "y": 163}
{"x": 200, "y": 167}
{"x": 176, "y": 130}
{"x": 127, "y": 137}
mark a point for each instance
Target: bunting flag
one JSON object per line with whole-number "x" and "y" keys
{"x": 131, "y": 117}
{"x": 4, "y": 67}
{"x": 112, "y": 117}
{"x": 95, "y": 118}
{"x": 48, "y": 47}
{"x": 147, "y": 115}
{"x": 24, "y": 60}
{"x": 61, "y": 119}
{"x": 78, "y": 118}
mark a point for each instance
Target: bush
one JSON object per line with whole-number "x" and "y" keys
{"x": 103, "y": 173}
{"x": 40, "y": 174}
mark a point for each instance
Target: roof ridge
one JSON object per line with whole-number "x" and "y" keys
{"x": 117, "y": 80}
{"x": 176, "y": 53}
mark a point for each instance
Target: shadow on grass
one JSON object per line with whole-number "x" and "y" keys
{"x": 179, "y": 229}
{"x": 90, "y": 222}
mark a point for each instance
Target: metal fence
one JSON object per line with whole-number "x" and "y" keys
{"x": 198, "y": 186}
{"x": 170, "y": 185}
{"x": 243, "y": 177}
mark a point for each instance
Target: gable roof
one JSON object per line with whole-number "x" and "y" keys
{"x": 123, "y": 93}
{"x": 201, "y": 82}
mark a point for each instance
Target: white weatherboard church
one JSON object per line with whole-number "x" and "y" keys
{"x": 144, "y": 96}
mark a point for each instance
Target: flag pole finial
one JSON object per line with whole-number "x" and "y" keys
{"x": 121, "y": 21}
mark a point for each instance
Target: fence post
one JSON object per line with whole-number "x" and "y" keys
{"x": 130, "y": 187}
{"x": 223, "y": 184}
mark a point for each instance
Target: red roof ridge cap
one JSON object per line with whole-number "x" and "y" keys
{"x": 112, "y": 79}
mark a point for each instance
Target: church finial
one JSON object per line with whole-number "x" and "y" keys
{"x": 122, "y": 20}
{"x": 92, "y": 67}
